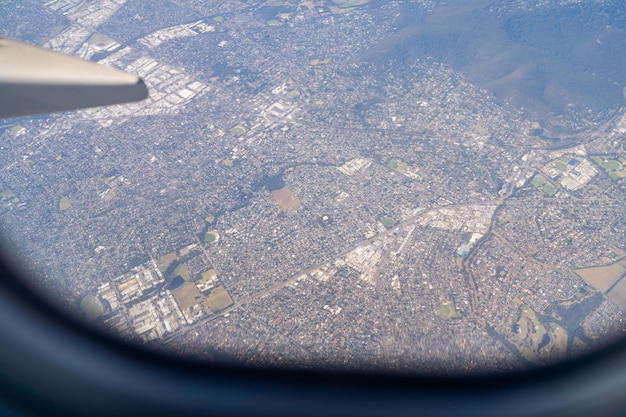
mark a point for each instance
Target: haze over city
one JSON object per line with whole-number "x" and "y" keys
{"x": 412, "y": 186}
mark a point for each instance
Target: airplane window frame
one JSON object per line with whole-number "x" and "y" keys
{"x": 50, "y": 363}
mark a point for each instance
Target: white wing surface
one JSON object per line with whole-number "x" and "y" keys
{"x": 36, "y": 80}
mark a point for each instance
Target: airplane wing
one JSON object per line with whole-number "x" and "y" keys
{"x": 36, "y": 80}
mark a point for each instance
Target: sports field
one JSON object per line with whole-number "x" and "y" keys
{"x": 285, "y": 198}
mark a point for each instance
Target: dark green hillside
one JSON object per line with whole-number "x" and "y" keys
{"x": 546, "y": 60}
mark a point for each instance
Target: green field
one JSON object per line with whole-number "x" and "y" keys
{"x": 612, "y": 165}
{"x": 6, "y": 194}
{"x": 207, "y": 276}
{"x": 388, "y": 222}
{"x": 597, "y": 160}
{"x": 349, "y": 3}
{"x": 65, "y": 203}
{"x": 614, "y": 168}
{"x": 238, "y": 130}
{"x": 182, "y": 271}
{"x": 210, "y": 237}
{"x": 560, "y": 166}
{"x": 539, "y": 180}
{"x": 503, "y": 218}
{"x": 557, "y": 347}
{"x": 398, "y": 166}
{"x": 16, "y": 130}
{"x": 99, "y": 39}
{"x": 548, "y": 189}
{"x": 529, "y": 334}
{"x": 536, "y": 342}
{"x": 92, "y": 307}
{"x": 448, "y": 311}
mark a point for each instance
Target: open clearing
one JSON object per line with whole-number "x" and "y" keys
{"x": 6, "y": 194}
{"x": 618, "y": 294}
{"x": 447, "y": 311}
{"x": 536, "y": 342}
{"x": 100, "y": 40}
{"x": 557, "y": 347}
{"x": 218, "y": 299}
{"x": 388, "y": 222}
{"x": 528, "y": 333}
{"x": 238, "y": 130}
{"x": 92, "y": 307}
{"x": 350, "y": 3}
{"x": 187, "y": 295}
{"x": 182, "y": 271}
{"x": 560, "y": 166}
{"x": 208, "y": 275}
{"x": 315, "y": 62}
{"x": 613, "y": 167}
{"x": 64, "y": 204}
{"x": 398, "y": 166}
{"x": 210, "y": 237}
{"x": 548, "y": 189}
{"x": 539, "y": 180}
{"x": 602, "y": 277}
{"x": 285, "y": 198}
{"x": 17, "y": 130}
{"x": 166, "y": 260}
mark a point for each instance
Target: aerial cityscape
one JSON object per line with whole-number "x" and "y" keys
{"x": 411, "y": 186}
